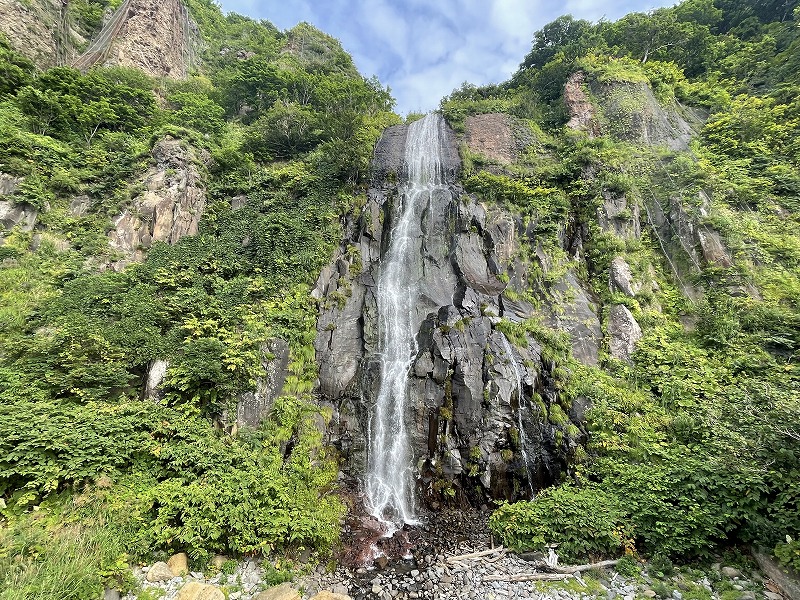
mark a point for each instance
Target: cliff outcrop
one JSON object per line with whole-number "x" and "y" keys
{"x": 169, "y": 207}
{"x": 484, "y": 418}
{"x": 40, "y": 30}
{"x": 157, "y": 37}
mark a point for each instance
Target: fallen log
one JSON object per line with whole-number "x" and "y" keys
{"x": 560, "y": 572}
{"x": 580, "y": 568}
{"x": 452, "y": 559}
{"x": 529, "y": 577}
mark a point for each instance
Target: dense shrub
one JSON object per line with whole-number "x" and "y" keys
{"x": 583, "y": 521}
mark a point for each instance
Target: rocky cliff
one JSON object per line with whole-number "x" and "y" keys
{"x": 157, "y": 37}
{"x": 40, "y": 30}
{"x": 169, "y": 207}
{"x": 485, "y": 417}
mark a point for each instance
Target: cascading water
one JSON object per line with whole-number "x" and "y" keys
{"x": 520, "y": 409}
{"x": 389, "y": 478}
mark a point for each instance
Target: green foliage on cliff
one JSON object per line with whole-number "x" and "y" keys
{"x": 280, "y": 128}
{"x": 695, "y": 441}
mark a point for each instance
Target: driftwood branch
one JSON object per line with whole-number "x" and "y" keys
{"x": 499, "y": 549}
{"x": 528, "y": 577}
{"x": 581, "y": 568}
{"x": 560, "y": 572}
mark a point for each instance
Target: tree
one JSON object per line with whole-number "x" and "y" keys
{"x": 197, "y": 111}
{"x": 285, "y": 130}
{"x": 16, "y": 71}
{"x": 94, "y": 115}
{"x": 43, "y": 108}
{"x": 565, "y": 34}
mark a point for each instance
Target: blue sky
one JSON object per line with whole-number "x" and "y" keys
{"x": 423, "y": 49}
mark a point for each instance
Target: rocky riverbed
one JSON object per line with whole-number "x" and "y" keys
{"x": 440, "y": 568}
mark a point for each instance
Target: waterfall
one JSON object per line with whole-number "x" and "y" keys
{"x": 520, "y": 408}
{"x": 389, "y": 479}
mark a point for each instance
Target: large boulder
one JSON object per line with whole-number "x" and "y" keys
{"x": 283, "y": 591}
{"x": 159, "y": 572}
{"x": 179, "y": 564}
{"x": 194, "y": 590}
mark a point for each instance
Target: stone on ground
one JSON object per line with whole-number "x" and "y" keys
{"x": 179, "y": 564}
{"x": 730, "y": 572}
{"x": 283, "y": 591}
{"x": 194, "y": 590}
{"x": 160, "y": 571}
{"x": 218, "y": 561}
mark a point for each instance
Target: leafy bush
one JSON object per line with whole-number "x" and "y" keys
{"x": 788, "y": 553}
{"x": 181, "y": 484}
{"x": 584, "y": 522}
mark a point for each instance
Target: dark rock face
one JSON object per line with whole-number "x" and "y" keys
{"x": 255, "y": 405}
{"x": 479, "y": 407}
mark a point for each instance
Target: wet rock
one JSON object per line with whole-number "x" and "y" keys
{"x": 460, "y": 389}
{"x": 475, "y": 267}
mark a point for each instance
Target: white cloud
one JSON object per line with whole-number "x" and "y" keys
{"x": 424, "y": 50}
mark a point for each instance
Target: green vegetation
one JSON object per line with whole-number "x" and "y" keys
{"x": 788, "y": 553}
{"x": 582, "y": 521}
{"x": 691, "y": 446}
{"x": 694, "y": 444}
{"x": 87, "y": 463}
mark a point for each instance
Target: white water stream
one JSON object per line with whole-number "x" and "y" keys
{"x": 389, "y": 479}
{"x": 520, "y": 408}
